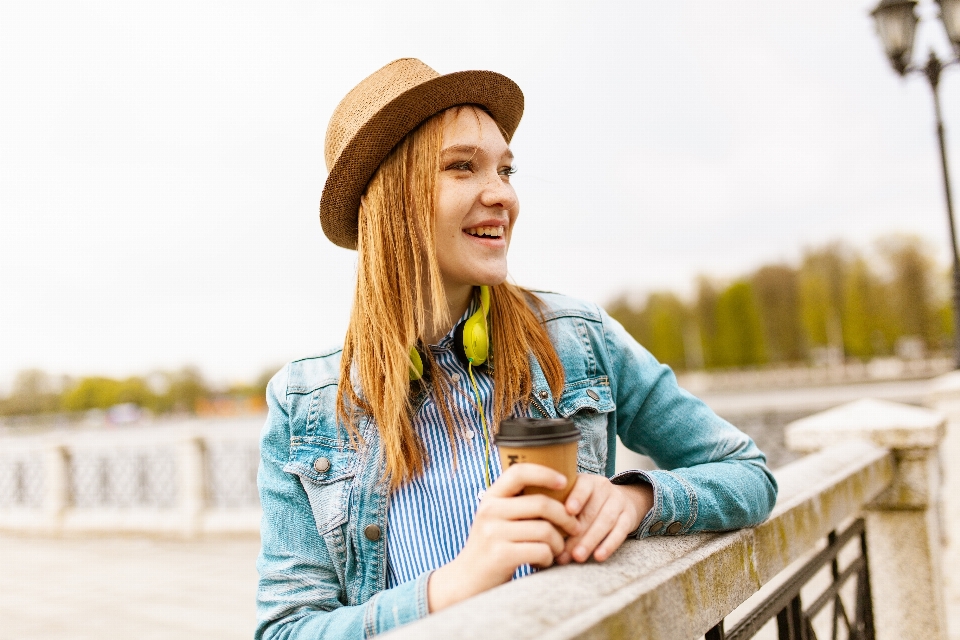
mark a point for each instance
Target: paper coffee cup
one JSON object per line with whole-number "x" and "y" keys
{"x": 550, "y": 442}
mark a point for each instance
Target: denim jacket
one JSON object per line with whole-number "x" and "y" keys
{"x": 322, "y": 562}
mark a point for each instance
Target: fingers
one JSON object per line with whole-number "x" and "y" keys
{"x": 537, "y": 554}
{"x": 539, "y": 531}
{"x": 530, "y": 507}
{"x": 513, "y": 481}
{"x": 614, "y": 539}
{"x": 580, "y": 495}
{"x": 601, "y": 518}
{"x": 606, "y": 518}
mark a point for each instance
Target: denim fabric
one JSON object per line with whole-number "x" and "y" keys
{"x": 321, "y": 576}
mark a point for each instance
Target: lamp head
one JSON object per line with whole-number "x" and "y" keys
{"x": 896, "y": 23}
{"x": 950, "y": 15}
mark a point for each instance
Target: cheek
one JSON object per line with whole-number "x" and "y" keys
{"x": 448, "y": 216}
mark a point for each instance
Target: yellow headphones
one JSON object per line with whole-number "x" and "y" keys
{"x": 471, "y": 339}
{"x": 472, "y": 346}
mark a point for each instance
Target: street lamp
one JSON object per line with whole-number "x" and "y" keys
{"x": 896, "y": 23}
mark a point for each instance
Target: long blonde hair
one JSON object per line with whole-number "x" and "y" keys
{"x": 398, "y": 280}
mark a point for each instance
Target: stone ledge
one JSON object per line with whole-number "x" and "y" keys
{"x": 674, "y": 588}
{"x": 887, "y": 424}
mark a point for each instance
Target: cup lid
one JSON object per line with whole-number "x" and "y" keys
{"x": 534, "y": 432}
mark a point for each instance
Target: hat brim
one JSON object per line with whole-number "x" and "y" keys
{"x": 356, "y": 164}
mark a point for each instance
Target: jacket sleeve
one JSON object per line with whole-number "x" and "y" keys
{"x": 712, "y": 476}
{"x": 299, "y": 595}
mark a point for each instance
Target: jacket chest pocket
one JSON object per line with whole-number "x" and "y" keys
{"x": 588, "y": 403}
{"x": 325, "y": 472}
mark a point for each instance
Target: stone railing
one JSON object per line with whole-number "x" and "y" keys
{"x": 871, "y": 459}
{"x": 187, "y": 479}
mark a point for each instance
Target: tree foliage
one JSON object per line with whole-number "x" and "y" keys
{"x": 837, "y": 297}
{"x": 34, "y": 392}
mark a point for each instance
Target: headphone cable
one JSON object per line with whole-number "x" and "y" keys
{"x": 485, "y": 434}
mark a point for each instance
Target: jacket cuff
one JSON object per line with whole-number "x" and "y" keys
{"x": 674, "y": 509}
{"x": 394, "y": 607}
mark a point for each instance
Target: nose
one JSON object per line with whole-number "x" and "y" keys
{"x": 498, "y": 194}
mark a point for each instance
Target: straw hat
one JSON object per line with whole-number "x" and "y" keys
{"x": 384, "y": 108}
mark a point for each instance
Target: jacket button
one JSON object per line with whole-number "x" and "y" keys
{"x": 372, "y": 532}
{"x": 544, "y": 395}
{"x": 322, "y": 465}
{"x": 593, "y": 394}
{"x": 673, "y": 528}
{"x": 656, "y": 526}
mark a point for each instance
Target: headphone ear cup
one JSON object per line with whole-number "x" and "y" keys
{"x": 475, "y": 341}
{"x": 416, "y": 365}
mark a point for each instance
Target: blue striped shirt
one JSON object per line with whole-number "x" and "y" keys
{"x": 429, "y": 518}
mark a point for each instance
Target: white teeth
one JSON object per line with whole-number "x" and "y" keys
{"x": 493, "y": 232}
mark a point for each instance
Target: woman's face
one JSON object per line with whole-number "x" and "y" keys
{"x": 477, "y": 206}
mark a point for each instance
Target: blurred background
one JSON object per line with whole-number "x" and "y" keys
{"x": 748, "y": 187}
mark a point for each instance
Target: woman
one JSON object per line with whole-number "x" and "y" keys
{"x": 383, "y": 497}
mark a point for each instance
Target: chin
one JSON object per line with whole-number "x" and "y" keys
{"x": 491, "y": 279}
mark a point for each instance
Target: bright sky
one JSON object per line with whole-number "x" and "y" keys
{"x": 161, "y": 163}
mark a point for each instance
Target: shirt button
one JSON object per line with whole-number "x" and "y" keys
{"x": 372, "y": 532}
{"x": 673, "y": 528}
{"x": 468, "y": 434}
{"x": 322, "y": 465}
{"x": 544, "y": 395}
{"x": 656, "y": 526}
{"x": 593, "y": 394}
{"x": 455, "y": 377}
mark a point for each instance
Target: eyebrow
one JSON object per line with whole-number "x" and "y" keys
{"x": 469, "y": 148}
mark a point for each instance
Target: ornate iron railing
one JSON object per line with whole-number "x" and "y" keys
{"x": 796, "y": 623}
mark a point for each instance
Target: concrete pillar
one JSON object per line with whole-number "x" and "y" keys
{"x": 56, "y": 486}
{"x": 945, "y": 398}
{"x": 191, "y": 477}
{"x": 903, "y": 533}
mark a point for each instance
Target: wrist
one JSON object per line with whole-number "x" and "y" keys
{"x": 639, "y": 495}
{"x": 447, "y": 587}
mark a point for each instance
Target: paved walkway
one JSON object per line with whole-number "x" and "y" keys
{"x": 126, "y": 588}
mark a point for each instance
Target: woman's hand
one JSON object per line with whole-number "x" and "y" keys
{"x": 509, "y": 530}
{"x": 607, "y": 513}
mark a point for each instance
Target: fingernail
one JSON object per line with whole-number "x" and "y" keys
{"x": 561, "y": 482}
{"x": 580, "y": 553}
{"x": 573, "y": 505}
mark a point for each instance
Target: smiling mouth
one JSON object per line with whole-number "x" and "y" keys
{"x": 485, "y": 232}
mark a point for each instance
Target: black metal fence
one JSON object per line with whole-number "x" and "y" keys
{"x": 794, "y": 622}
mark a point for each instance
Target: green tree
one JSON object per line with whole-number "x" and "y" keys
{"x": 630, "y": 317}
{"x": 33, "y": 392}
{"x": 705, "y": 313}
{"x": 778, "y": 297}
{"x": 739, "y": 338}
{"x": 822, "y": 275}
{"x": 666, "y": 319}
{"x": 911, "y": 287}
{"x": 866, "y": 315}
{"x": 186, "y": 388}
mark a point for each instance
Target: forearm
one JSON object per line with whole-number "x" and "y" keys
{"x": 305, "y": 621}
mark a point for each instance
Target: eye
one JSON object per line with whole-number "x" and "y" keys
{"x": 463, "y": 165}
{"x": 507, "y": 171}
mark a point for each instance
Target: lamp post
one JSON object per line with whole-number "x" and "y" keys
{"x": 896, "y": 23}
